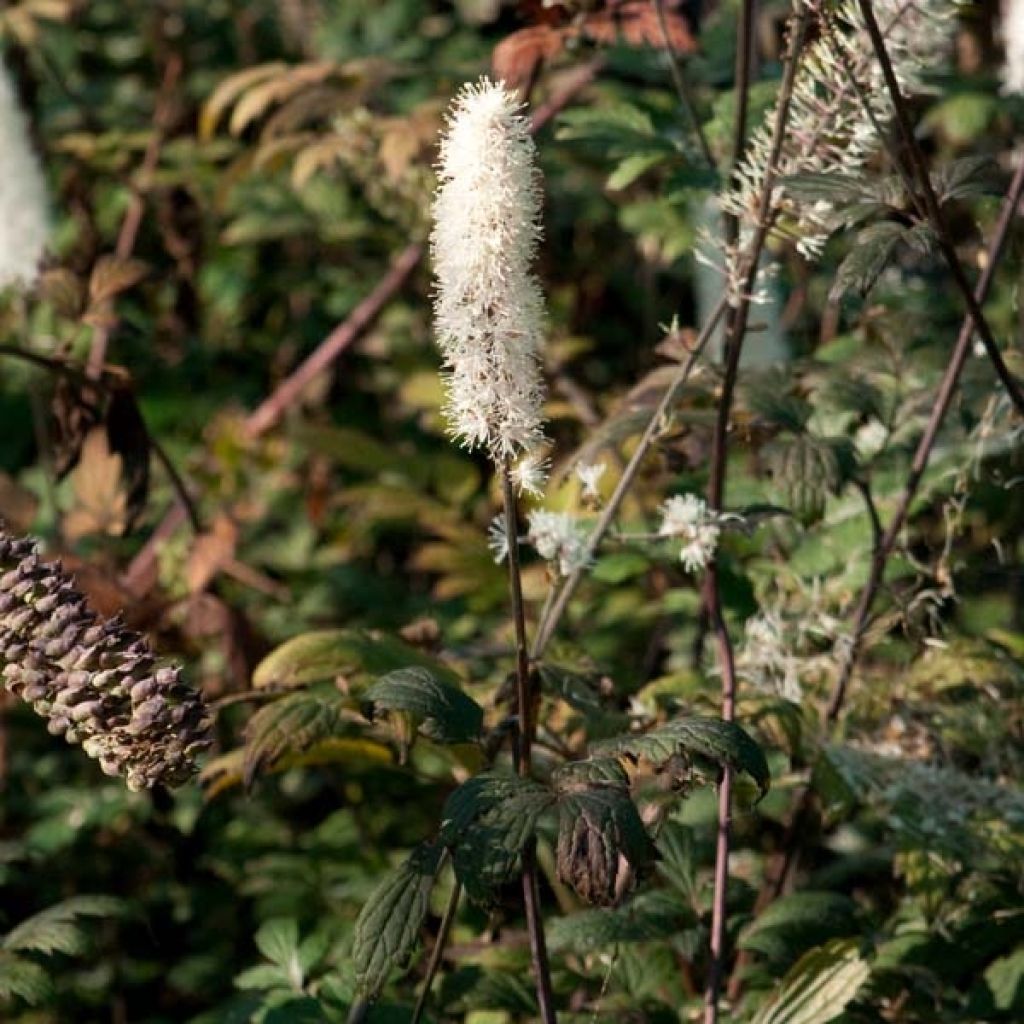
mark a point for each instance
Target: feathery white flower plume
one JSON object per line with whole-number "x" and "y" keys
{"x": 829, "y": 129}
{"x": 489, "y": 310}
{"x": 688, "y": 517}
{"x": 24, "y": 222}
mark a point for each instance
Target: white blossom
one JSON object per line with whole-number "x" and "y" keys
{"x": 687, "y": 517}
{"x": 489, "y": 310}
{"x": 829, "y": 130}
{"x": 766, "y": 658}
{"x": 530, "y": 473}
{"x": 560, "y": 537}
{"x": 497, "y": 538}
{"x": 589, "y": 474}
{"x": 1013, "y": 46}
{"x": 24, "y": 220}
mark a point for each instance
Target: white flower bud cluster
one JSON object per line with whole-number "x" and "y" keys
{"x": 489, "y": 310}
{"x": 829, "y": 129}
{"x": 24, "y": 219}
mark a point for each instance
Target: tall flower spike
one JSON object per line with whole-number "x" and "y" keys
{"x": 830, "y": 130}
{"x": 96, "y": 682}
{"x": 488, "y": 309}
{"x": 24, "y": 221}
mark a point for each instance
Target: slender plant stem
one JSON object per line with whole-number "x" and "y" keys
{"x": 437, "y": 954}
{"x": 735, "y": 336}
{"x": 916, "y": 161}
{"x": 940, "y": 407}
{"x": 884, "y": 543}
{"x": 132, "y": 221}
{"x": 683, "y": 91}
{"x": 523, "y": 750}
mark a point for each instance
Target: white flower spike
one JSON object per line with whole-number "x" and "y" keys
{"x": 589, "y": 474}
{"x": 24, "y": 220}
{"x": 489, "y": 309}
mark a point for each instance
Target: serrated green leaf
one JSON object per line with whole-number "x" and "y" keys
{"x": 388, "y": 926}
{"x": 23, "y": 979}
{"x": 446, "y": 713}
{"x": 55, "y": 930}
{"x": 870, "y": 255}
{"x": 290, "y": 725}
{"x": 648, "y": 917}
{"x": 818, "y": 988}
{"x": 695, "y": 738}
{"x": 486, "y": 823}
{"x": 1005, "y": 980}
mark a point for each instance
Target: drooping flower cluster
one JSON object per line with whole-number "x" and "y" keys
{"x": 830, "y": 131}
{"x": 24, "y": 221}
{"x": 97, "y": 683}
{"x": 489, "y": 310}
{"x": 688, "y": 517}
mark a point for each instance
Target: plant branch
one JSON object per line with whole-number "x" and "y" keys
{"x": 918, "y": 166}
{"x": 524, "y": 738}
{"x": 940, "y": 407}
{"x": 735, "y": 336}
{"x": 437, "y": 953}
{"x": 132, "y": 221}
{"x": 679, "y": 80}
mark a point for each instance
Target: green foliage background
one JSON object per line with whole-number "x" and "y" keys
{"x": 268, "y": 217}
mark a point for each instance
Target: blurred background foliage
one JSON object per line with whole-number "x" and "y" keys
{"x": 280, "y": 154}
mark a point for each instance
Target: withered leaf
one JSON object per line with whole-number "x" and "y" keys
{"x": 100, "y": 500}
{"x": 112, "y": 275}
{"x": 211, "y": 551}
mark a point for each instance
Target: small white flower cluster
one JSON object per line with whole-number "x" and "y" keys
{"x": 727, "y": 261}
{"x": 24, "y": 218}
{"x": 688, "y": 517}
{"x": 589, "y": 475}
{"x": 829, "y": 129}
{"x": 489, "y": 310}
{"x": 782, "y": 649}
{"x": 561, "y": 538}
{"x": 530, "y": 473}
{"x": 558, "y": 537}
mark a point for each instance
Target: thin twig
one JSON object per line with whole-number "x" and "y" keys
{"x": 683, "y": 91}
{"x": 940, "y": 407}
{"x": 919, "y": 167}
{"x": 437, "y": 953}
{"x": 129, "y": 231}
{"x": 524, "y": 739}
{"x": 785, "y": 860}
{"x": 735, "y": 336}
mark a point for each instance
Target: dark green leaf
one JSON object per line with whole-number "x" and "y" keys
{"x": 447, "y": 714}
{"x": 388, "y": 926}
{"x": 697, "y": 740}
